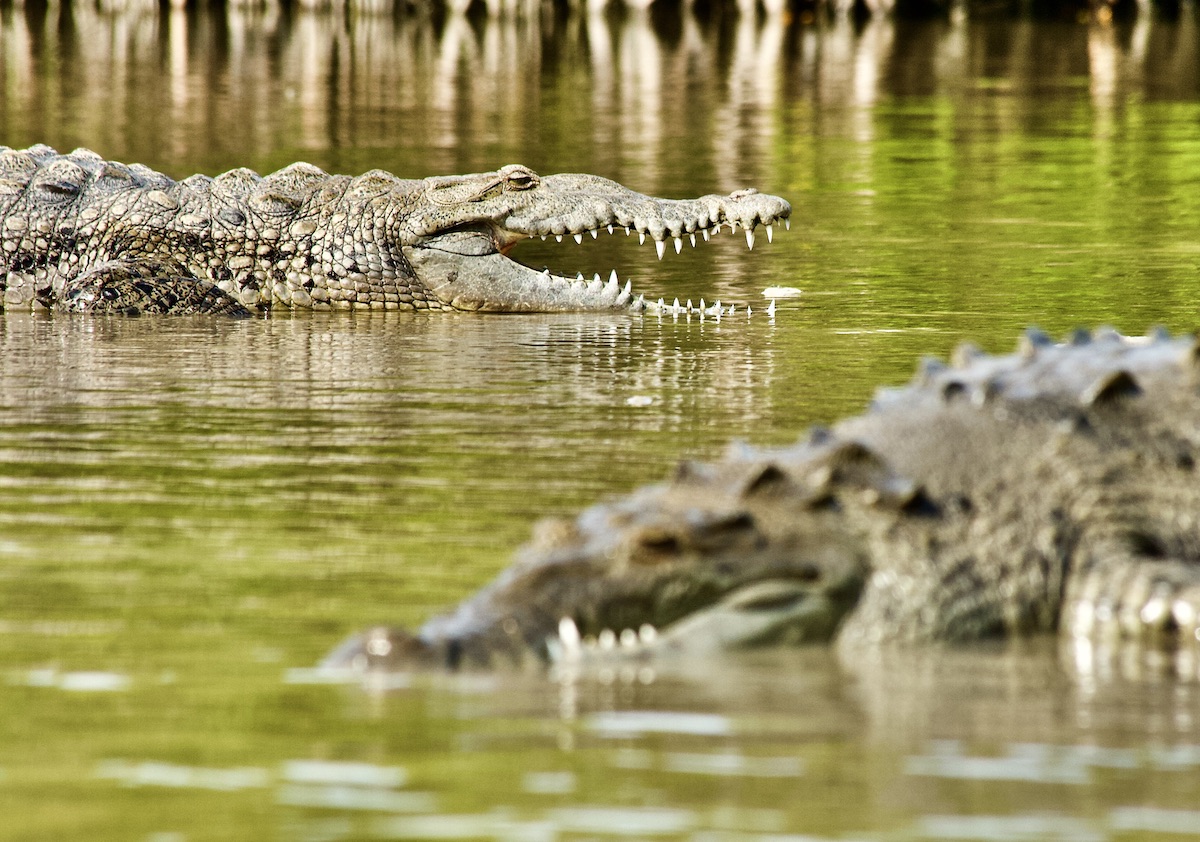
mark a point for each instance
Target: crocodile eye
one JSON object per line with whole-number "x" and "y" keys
{"x": 521, "y": 181}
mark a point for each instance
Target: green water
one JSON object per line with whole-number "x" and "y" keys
{"x": 192, "y": 512}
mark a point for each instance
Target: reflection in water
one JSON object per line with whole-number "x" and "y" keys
{"x": 464, "y": 87}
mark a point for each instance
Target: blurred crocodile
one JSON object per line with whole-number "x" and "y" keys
{"x": 1054, "y": 488}
{"x": 83, "y": 234}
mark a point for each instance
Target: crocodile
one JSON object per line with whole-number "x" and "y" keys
{"x": 1053, "y": 489}
{"x": 82, "y": 234}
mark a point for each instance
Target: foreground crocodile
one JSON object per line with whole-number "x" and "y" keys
{"x": 1055, "y": 488}
{"x": 83, "y": 234}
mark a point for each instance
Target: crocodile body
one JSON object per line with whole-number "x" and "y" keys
{"x": 1052, "y": 489}
{"x": 79, "y": 233}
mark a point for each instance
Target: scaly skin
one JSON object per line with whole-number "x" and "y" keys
{"x": 1053, "y": 489}
{"x": 83, "y": 234}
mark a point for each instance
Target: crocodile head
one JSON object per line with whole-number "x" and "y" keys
{"x": 723, "y": 557}
{"x": 457, "y": 231}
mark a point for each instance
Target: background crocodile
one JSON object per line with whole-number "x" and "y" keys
{"x": 1053, "y": 488}
{"x": 84, "y": 234}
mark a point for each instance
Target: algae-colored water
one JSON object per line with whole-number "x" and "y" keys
{"x": 192, "y": 512}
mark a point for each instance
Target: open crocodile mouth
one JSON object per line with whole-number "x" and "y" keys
{"x": 763, "y": 612}
{"x": 470, "y": 267}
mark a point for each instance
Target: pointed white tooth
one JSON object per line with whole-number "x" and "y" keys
{"x": 750, "y": 238}
{"x": 702, "y": 307}
{"x": 543, "y": 238}
{"x": 732, "y": 223}
{"x": 627, "y": 231}
{"x": 692, "y": 237}
{"x": 579, "y": 276}
{"x": 610, "y": 229}
{"x": 771, "y": 309}
{"x": 594, "y": 233}
{"x": 578, "y": 238}
{"x": 568, "y": 634}
{"x": 607, "y": 639}
{"x": 628, "y": 286}
{"x": 676, "y": 305}
{"x": 703, "y": 233}
{"x": 660, "y": 246}
{"x": 716, "y": 229}
{"x": 558, "y": 238}
{"x": 629, "y": 638}
{"x": 770, "y": 233}
{"x": 787, "y": 224}
{"x": 678, "y": 245}
{"x": 641, "y": 238}
{"x": 689, "y": 305}
{"x": 596, "y": 278}
{"x": 661, "y": 305}
{"x": 546, "y": 272}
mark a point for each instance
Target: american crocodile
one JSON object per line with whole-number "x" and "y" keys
{"x": 80, "y": 233}
{"x": 1055, "y": 488}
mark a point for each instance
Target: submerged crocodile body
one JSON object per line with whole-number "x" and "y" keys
{"x": 79, "y": 233}
{"x": 1055, "y": 488}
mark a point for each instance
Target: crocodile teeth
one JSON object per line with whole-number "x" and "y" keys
{"x": 568, "y": 635}
{"x": 703, "y": 232}
{"x": 543, "y": 238}
{"x": 770, "y": 233}
{"x": 596, "y": 278}
{"x": 613, "y": 279}
{"x": 750, "y": 238}
{"x": 610, "y": 229}
{"x": 787, "y": 224}
{"x": 558, "y": 238}
{"x": 678, "y": 245}
{"x": 578, "y": 238}
{"x": 660, "y": 246}
{"x": 628, "y": 285}
{"x": 641, "y": 238}
{"x": 692, "y": 237}
{"x": 594, "y": 233}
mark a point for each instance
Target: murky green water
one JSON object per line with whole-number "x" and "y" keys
{"x": 193, "y": 512}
